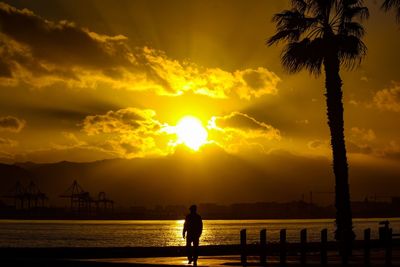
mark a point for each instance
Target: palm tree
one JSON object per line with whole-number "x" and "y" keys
{"x": 326, "y": 33}
{"x": 392, "y": 4}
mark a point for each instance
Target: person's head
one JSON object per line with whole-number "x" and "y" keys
{"x": 193, "y": 209}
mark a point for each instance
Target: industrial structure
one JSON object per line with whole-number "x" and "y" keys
{"x": 29, "y": 197}
{"x": 82, "y": 202}
{"x": 103, "y": 204}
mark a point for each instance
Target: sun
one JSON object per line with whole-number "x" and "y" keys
{"x": 190, "y": 131}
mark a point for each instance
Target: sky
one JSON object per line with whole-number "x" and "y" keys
{"x": 90, "y": 80}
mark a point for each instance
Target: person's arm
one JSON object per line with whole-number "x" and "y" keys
{"x": 184, "y": 229}
{"x": 201, "y": 226}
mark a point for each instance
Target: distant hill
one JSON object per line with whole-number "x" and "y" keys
{"x": 10, "y": 174}
{"x": 182, "y": 178}
{"x": 185, "y": 177}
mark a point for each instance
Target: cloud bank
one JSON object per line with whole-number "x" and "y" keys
{"x": 133, "y": 132}
{"x": 11, "y": 124}
{"x": 388, "y": 99}
{"x": 40, "y": 53}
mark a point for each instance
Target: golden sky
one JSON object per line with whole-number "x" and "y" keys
{"x": 91, "y": 80}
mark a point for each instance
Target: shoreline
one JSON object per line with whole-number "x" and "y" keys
{"x": 274, "y": 248}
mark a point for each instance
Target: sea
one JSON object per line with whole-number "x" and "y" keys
{"x": 147, "y": 233}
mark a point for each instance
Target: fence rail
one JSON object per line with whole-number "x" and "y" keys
{"x": 302, "y": 249}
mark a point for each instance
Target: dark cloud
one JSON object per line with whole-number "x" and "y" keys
{"x": 121, "y": 121}
{"x": 361, "y": 134}
{"x": 5, "y": 70}
{"x": 260, "y": 81}
{"x": 388, "y": 99}
{"x": 361, "y": 141}
{"x": 40, "y": 53}
{"x": 129, "y": 148}
{"x": 254, "y": 79}
{"x": 76, "y": 154}
{"x": 241, "y": 121}
{"x": 7, "y": 142}
{"x": 11, "y": 124}
{"x": 353, "y": 147}
{"x": 392, "y": 151}
{"x": 392, "y": 155}
{"x": 239, "y": 132}
{"x": 61, "y": 42}
{"x": 318, "y": 144}
{"x": 129, "y": 132}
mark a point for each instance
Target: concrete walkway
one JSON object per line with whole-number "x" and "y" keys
{"x": 177, "y": 261}
{"x": 232, "y": 261}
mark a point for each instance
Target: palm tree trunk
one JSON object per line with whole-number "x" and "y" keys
{"x": 333, "y": 83}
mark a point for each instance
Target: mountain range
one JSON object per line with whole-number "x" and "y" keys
{"x": 207, "y": 177}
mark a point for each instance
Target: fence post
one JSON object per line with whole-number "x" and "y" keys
{"x": 303, "y": 247}
{"x": 388, "y": 244}
{"x": 324, "y": 241}
{"x": 282, "y": 256}
{"x": 263, "y": 247}
{"x": 243, "y": 256}
{"x": 367, "y": 247}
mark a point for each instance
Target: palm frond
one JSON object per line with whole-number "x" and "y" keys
{"x": 359, "y": 12}
{"x": 315, "y": 28}
{"x": 353, "y": 28}
{"x": 288, "y": 19}
{"x": 389, "y": 4}
{"x": 351, "y": 2}
{"x": 392, "y": 4}
{"x": 290, "y": 25}
{"x": 284, "y": 35}
{"x": 351, "y": 50}
{"x": 305, "y": 54}
{"x": 398, "y": 14}
{"x": 300, "y": 5}
{"x": 322, "y": 8}
{"x": 292, "y": 19}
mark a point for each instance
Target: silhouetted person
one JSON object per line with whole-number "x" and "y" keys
{"x": 192, "y": 229}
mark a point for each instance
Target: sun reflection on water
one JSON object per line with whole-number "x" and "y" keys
{"x": 20, "y": 233}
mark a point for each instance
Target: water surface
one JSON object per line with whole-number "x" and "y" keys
{"x": 99, "y": 233}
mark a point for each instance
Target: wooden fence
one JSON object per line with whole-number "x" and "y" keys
{"x": 302, "y": 249}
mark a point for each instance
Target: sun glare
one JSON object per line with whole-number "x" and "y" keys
{"x": 190, "y": 131}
